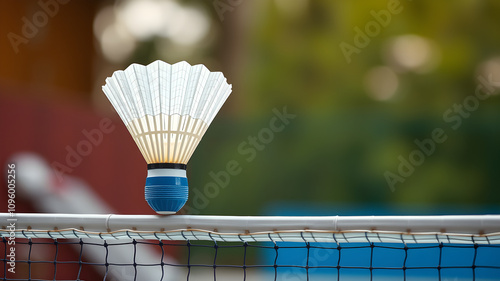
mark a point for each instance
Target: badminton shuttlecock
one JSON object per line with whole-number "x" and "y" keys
{"x": 167, "y": 110}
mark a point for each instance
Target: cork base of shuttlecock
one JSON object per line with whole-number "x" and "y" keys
{"x": 166, "y": 195}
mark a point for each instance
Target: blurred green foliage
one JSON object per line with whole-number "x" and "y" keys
{"x": 342, "y": 141}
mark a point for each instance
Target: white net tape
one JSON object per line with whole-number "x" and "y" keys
{"x": 481, "y": 229}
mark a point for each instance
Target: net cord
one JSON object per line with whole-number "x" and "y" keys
{"x": 486, "y": 227}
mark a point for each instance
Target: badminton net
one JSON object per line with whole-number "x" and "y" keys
{"x": 141, "y": 247}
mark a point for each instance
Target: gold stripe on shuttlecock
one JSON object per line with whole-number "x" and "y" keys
{"x": 167, "y": 139}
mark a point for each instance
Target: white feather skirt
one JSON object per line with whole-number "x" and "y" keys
{"x": 167, "y": 108}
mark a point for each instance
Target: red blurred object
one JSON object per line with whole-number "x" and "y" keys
{"x": 113, "y": 168}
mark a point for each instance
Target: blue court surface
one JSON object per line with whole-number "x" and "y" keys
{"x": 379, "y": 261}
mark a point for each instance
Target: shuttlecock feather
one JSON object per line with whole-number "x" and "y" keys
{"x": 167, "y": 110}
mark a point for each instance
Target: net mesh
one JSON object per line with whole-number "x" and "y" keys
{"x": 199, "y": 254}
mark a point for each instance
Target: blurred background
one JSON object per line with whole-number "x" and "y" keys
{"x": 364, "y": 80}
